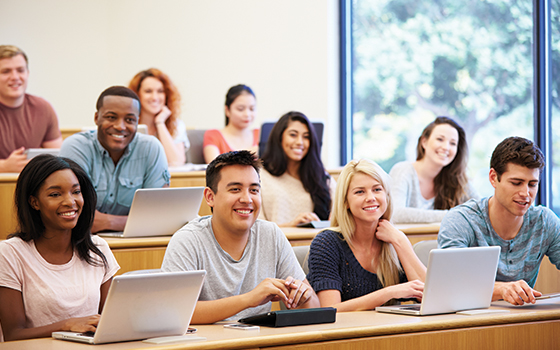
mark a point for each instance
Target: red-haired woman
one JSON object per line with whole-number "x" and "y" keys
{"x": 161, "y": 101}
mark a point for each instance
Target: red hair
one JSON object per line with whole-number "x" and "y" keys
{"x": 172, "y": 96}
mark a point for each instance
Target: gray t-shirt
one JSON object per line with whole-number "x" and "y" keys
{"x": 468, "y": 225}
{"x": 267, "y": 254}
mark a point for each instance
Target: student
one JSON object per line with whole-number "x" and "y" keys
{"x": 117, "y": 159}
{"x": 240, "y": 110}
{"x": 161, "y": 104}
{"x": 249, "y": 262}
{"x": 423, "y": 191}
{"x": 525, "y": 233}
{"x": 19, "y": 111}
{"x": 54, "y": 276}
{"x": 363, "y": 261}
{"x": 295, "y": 186}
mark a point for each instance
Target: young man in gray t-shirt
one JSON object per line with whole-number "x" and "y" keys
{"x": 249, "y": 262}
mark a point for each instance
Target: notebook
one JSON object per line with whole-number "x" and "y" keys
{"x": 296, "y": 317}
{"x": 457, "y": 279}
{"x": 141, "y": 306}
{"x": 316, "y": 224}
{"x": 160, "y": 211}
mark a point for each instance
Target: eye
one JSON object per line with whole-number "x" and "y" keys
{"x": 255, "y": 190}
{"x": 358, "y": 191}
{"x": 78, "y": 191}
{"x": 533, "y": 184}
{"x": 516, "y": 183}
{"x": 234, "y": 189}
{"x": 54, "y": 194}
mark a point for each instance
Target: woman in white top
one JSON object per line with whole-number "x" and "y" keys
{"x": 424, "y": 190}
{"x": 295, "y": 186}
{"x": 160, "y": 111}
{"x": 54, "y": 276}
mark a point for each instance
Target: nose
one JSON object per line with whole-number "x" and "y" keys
{"x": 524, "y": 191}
{"x": 119, "y": 124}
{"x": 299, "y": 140}
{"x": 68, "y": 200}
{"x": 369, "y": 196}
{"x": 245, "y": 197}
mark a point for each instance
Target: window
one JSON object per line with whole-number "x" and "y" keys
{"x": 471, "y": 60}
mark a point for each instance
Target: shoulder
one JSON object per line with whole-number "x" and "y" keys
{"x": 472, "y": 213}
{"x": 82, "y": 140}
{"x": 544, "y": 215}
{"x": 471, "y": 207}
{"x": 13, "y": 247}
{"x": 328, "y": 237}
{"x": 267, "y": 228}
{"x": 193, "y": 231}
{"x": 402, "y": 168}
{"x": 146, "y": 140}
{"x": 212, "y": 133}
{"x": 99, "y": 242}
{"x": 36, "y": 101}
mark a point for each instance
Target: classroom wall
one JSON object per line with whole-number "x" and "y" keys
{"x": 287, "y": 51}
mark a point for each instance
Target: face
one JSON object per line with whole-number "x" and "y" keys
{"x": 295, "y": 141}
{"x": 152, "y": 95}
{"x": 237, "y": 202}
{"x": 59, "y": 201}
{"x": 117, "y": 121}
{"x": 367, "y": 199}
{"x": 517, "y": 188}
{"x": 13, "y": 79}
{"x": 441, "y": 146}
{"x": 242, "y": 111}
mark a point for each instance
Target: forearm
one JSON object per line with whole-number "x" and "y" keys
{"x": 212, "y": 311}
{"x": 412, "y": 266}
{"x": 366, "y": 302}
{"x": 105, "y": 222}
{"x": 175, "y": 153}
{"x": 36, "y": 332}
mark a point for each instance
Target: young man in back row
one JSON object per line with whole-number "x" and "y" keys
{"x": 249, "y": 262}
{"x": 524, "y": 232}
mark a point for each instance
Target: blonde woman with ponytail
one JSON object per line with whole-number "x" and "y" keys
{"x": 363, "y": 261}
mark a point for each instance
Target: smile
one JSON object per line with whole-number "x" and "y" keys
{"x": 69, "y": 213}
{"x": 118, "y": 136}
{"x": 371, "y": 208}
{"x": 243, "y": 211}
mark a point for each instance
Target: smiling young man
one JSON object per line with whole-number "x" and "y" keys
{"x": 249, "y": 262}
{"x": 117, "y": 159}
{"x": 26, "y": 121}
{"x": 524, "y": 232}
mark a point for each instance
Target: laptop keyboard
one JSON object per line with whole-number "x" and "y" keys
{"x": 87, "y": 334}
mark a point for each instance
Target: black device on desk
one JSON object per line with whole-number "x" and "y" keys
{"x": 299, "y": 317}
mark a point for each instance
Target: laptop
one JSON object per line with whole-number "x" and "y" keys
{"x": 457, "y": 279}
{"x": 34, "y": 152}
{"x": 160, "y": 211}
{"x": 315, "y": 224}
{"x": 141, "y": 306}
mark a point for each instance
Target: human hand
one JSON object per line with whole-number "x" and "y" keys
{"x": 516, "y": 293}
{"x": 386, "y": 232}
{"x": 82, "y": 324}
{"x": 163, "y": 115}
{"x": 304, "y": 218}
{"x": 300, "y": 292}
{"x": 270, "y": 289}
{"x": 412, "y": 289}
{"x": 15, "y": 162}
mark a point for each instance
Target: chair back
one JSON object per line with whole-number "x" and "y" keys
{"x": 423, "y": 248}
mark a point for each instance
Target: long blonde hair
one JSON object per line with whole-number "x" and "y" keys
{"x": 388, "y": 265}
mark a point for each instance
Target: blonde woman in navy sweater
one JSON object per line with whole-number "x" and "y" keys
{"x": 363, "y": 261}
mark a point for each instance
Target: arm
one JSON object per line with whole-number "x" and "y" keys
{"x": 413, "y": 267}
{"x": 301, "y": 219}
{"x": 175, "y": 152}
{"x": 108, "y": 222}
{"x": 210, "y": 152}
{"x": 332, "y": 298}
{"x": 104, "y": 291}
{"x": 271, "y": 289}
{"x": 12, "y": 317}
{"x": 56, "y": 143}
{"x": 516, "y": 293}
{"x": 15, "y": 162}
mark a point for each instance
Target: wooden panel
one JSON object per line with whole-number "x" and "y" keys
{"x": 69, "y": 131}
{"x": 549, "y": 278}
{"x": 518, "y": 336}
{"x": 8, "y": 220}
{"x": 139, "y": 259}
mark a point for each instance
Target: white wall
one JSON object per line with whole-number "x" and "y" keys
{"x": 287, "y": 51}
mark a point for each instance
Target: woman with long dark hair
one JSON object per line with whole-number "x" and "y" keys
{"x": 295, "y": 186}
{"x": 426, "y": 189}
{"x": 240, "y": 110}
{"x": 54, "y": 275}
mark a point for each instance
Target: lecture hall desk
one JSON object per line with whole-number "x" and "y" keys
{"x": 535, "y": 327}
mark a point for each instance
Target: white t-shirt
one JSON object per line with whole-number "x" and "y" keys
{"x": 53, "y": 293}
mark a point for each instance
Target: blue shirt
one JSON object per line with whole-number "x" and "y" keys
{"x": 468, "y": 225}
{"x": 143, "y": 165}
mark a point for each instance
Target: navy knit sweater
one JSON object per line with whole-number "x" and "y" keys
{"x": 332, "y": 265}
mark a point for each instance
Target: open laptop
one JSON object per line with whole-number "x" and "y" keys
{"x": 160, "y": 211}
{"x": 34, "y": 152}
{"x": 457, "y": 279}
{"x": 144, "y": 306}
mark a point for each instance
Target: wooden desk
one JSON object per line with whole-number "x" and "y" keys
{"x": 534, "y": 327}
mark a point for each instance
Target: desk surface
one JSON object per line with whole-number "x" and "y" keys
{"x": 350, "y": 326}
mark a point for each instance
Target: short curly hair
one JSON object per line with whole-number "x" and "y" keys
{"x": 516, "y": 150}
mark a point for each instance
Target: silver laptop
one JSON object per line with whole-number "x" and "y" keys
{"x": 457, "y": 279}
{"x": 34, "y": 152}
{"x": 144, "y": 306}
{"x": 160, "y": 211}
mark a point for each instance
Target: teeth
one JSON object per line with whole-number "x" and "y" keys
{"x": 70, "y": 213}
{"x": 371, "y": 208}
{"x": 118, "y": 136}
{"x": 243, "y": 211}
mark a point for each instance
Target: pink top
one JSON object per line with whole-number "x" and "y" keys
{"x": 53, "y": 293}
{"x": 214, "y": 137}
